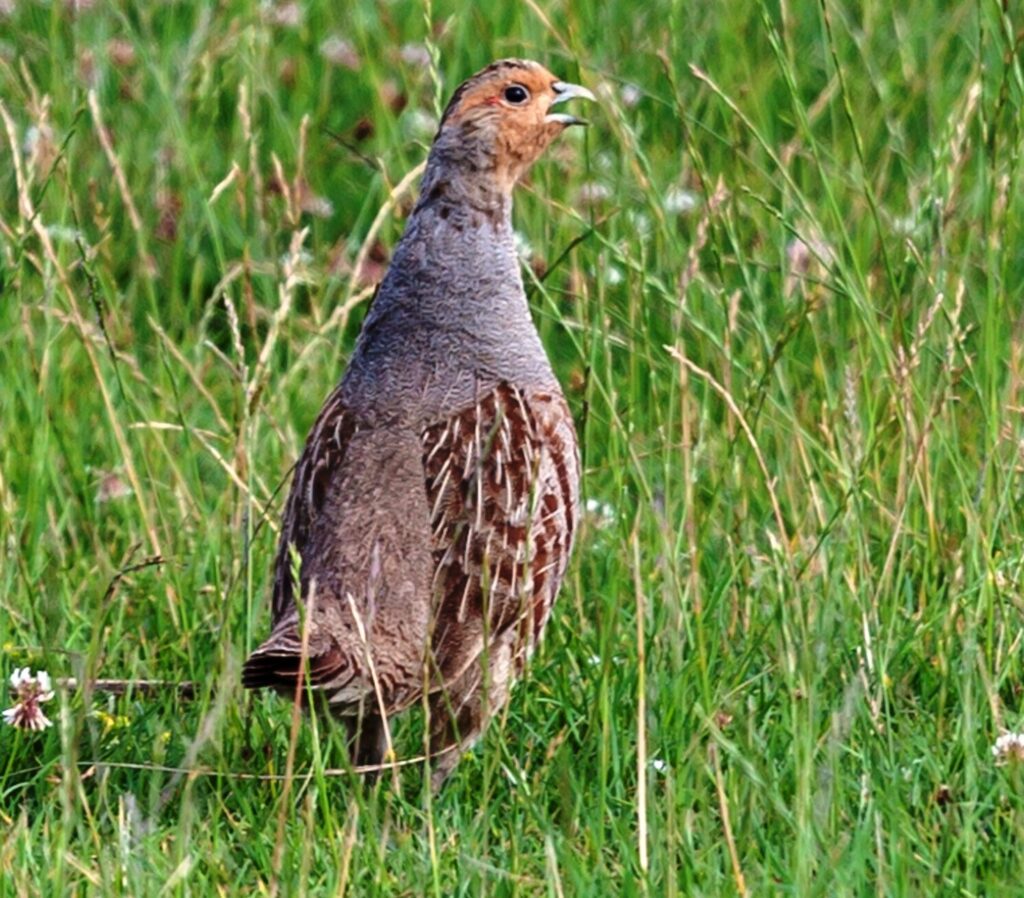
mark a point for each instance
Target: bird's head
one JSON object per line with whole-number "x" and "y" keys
{"x": 500, "y": 121}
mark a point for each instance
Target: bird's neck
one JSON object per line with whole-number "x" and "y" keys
{"x": 458, "y": 248}
{"x": 452, "y": 303}
{"x": 464, "y": 180}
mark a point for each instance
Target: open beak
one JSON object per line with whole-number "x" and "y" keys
{"x": 565, "y": 91}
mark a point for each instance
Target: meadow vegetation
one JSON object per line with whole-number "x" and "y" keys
{"x": 780, "y": 277}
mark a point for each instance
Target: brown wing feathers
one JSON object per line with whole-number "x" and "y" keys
{"x": 500, "y": 486}
{"x": 278, "y": 662}
{"x": 500, "y": 480}
{"x": 324, "y": 454}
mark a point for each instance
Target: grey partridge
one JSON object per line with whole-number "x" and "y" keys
{"x": 433, "y": 510}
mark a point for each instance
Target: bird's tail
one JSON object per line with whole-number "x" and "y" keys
{"x": 279, "y": 664}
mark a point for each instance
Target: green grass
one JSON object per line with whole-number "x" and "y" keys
{"x": 791, "y": 332}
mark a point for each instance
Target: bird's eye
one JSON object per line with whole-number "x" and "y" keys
{"x": 516, "y": 94}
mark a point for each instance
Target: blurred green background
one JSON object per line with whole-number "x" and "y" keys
{"x": 780, "y": 277}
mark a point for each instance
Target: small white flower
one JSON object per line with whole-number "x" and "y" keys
{"x": 680, "y": 201}
{"x": 303, "y": 260}
{"x": 801, "y": 254}
{"x": 594, "y": 660}
{"x": 631, "y": 95}
{"x": 317, "y": 206}
{"x": 415, "y": 54}
{"x": 658, "y": 765}
{"x": 595, "y": 506}
{"x": 639, "y": 222}
{"x": 29, "y": 692}
{"x": 1009, "y": 748}
{"x": 593, "y": 193}
{"x": 420, "y": 124}
{"x": 523, "y": 249}
{"x": 111, "y": 486}
{"x": 602, "y": 513}
{"x": 63, "y": 234}
{"x": 285, "y": 15}
{"x": 22, "y": 680}
{"x": 605, "y": 161}
{"x": 905, "y": 225}
{"x": 339, "y": 51}
{"x": 32, "y": 137}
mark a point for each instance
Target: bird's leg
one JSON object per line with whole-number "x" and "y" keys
{"x": 364, "y": 732}
{"x": 459, "y": 713}
{"x": 367, "y": 742}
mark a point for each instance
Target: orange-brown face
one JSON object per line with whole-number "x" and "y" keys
{"x": 508, "y": 104}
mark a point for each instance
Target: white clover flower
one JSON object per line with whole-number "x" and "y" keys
{"x": 317, "y": 206}
{"x": 680, "y": 201}
{"x": 524, "y": 251}
{"x": 30, "y": 692}
{"x": 630, "y": 95}
{"x": 605, "y": 161}
{"x": 111, "y": 487}
{"x": 62, "y": 234}
{"x": 594, "y": 193}
{"x": 415, "y": 54}
{"x": 801, "y": 254}
{"x": 601, "y": 513}
{"x": 419, "y": 123}
{"x": 341, "y": 52}
{"x": 1009, "y": 748}
{"x": 285, "y": 15}
{"x": 905, "y": 225}
{"x": 639, "y": 222}
{"x": 32, "y": 137}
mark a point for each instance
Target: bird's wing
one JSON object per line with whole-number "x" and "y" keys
{"x": 357, "y": 520}
{"x": 485, "y": 500}
{"x": 502, "y": 485}
{"x": 278, "y": 661}
{"x": 323, "y": 455}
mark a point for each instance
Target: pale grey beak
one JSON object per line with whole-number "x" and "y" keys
{"x": 565, "y": 91}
